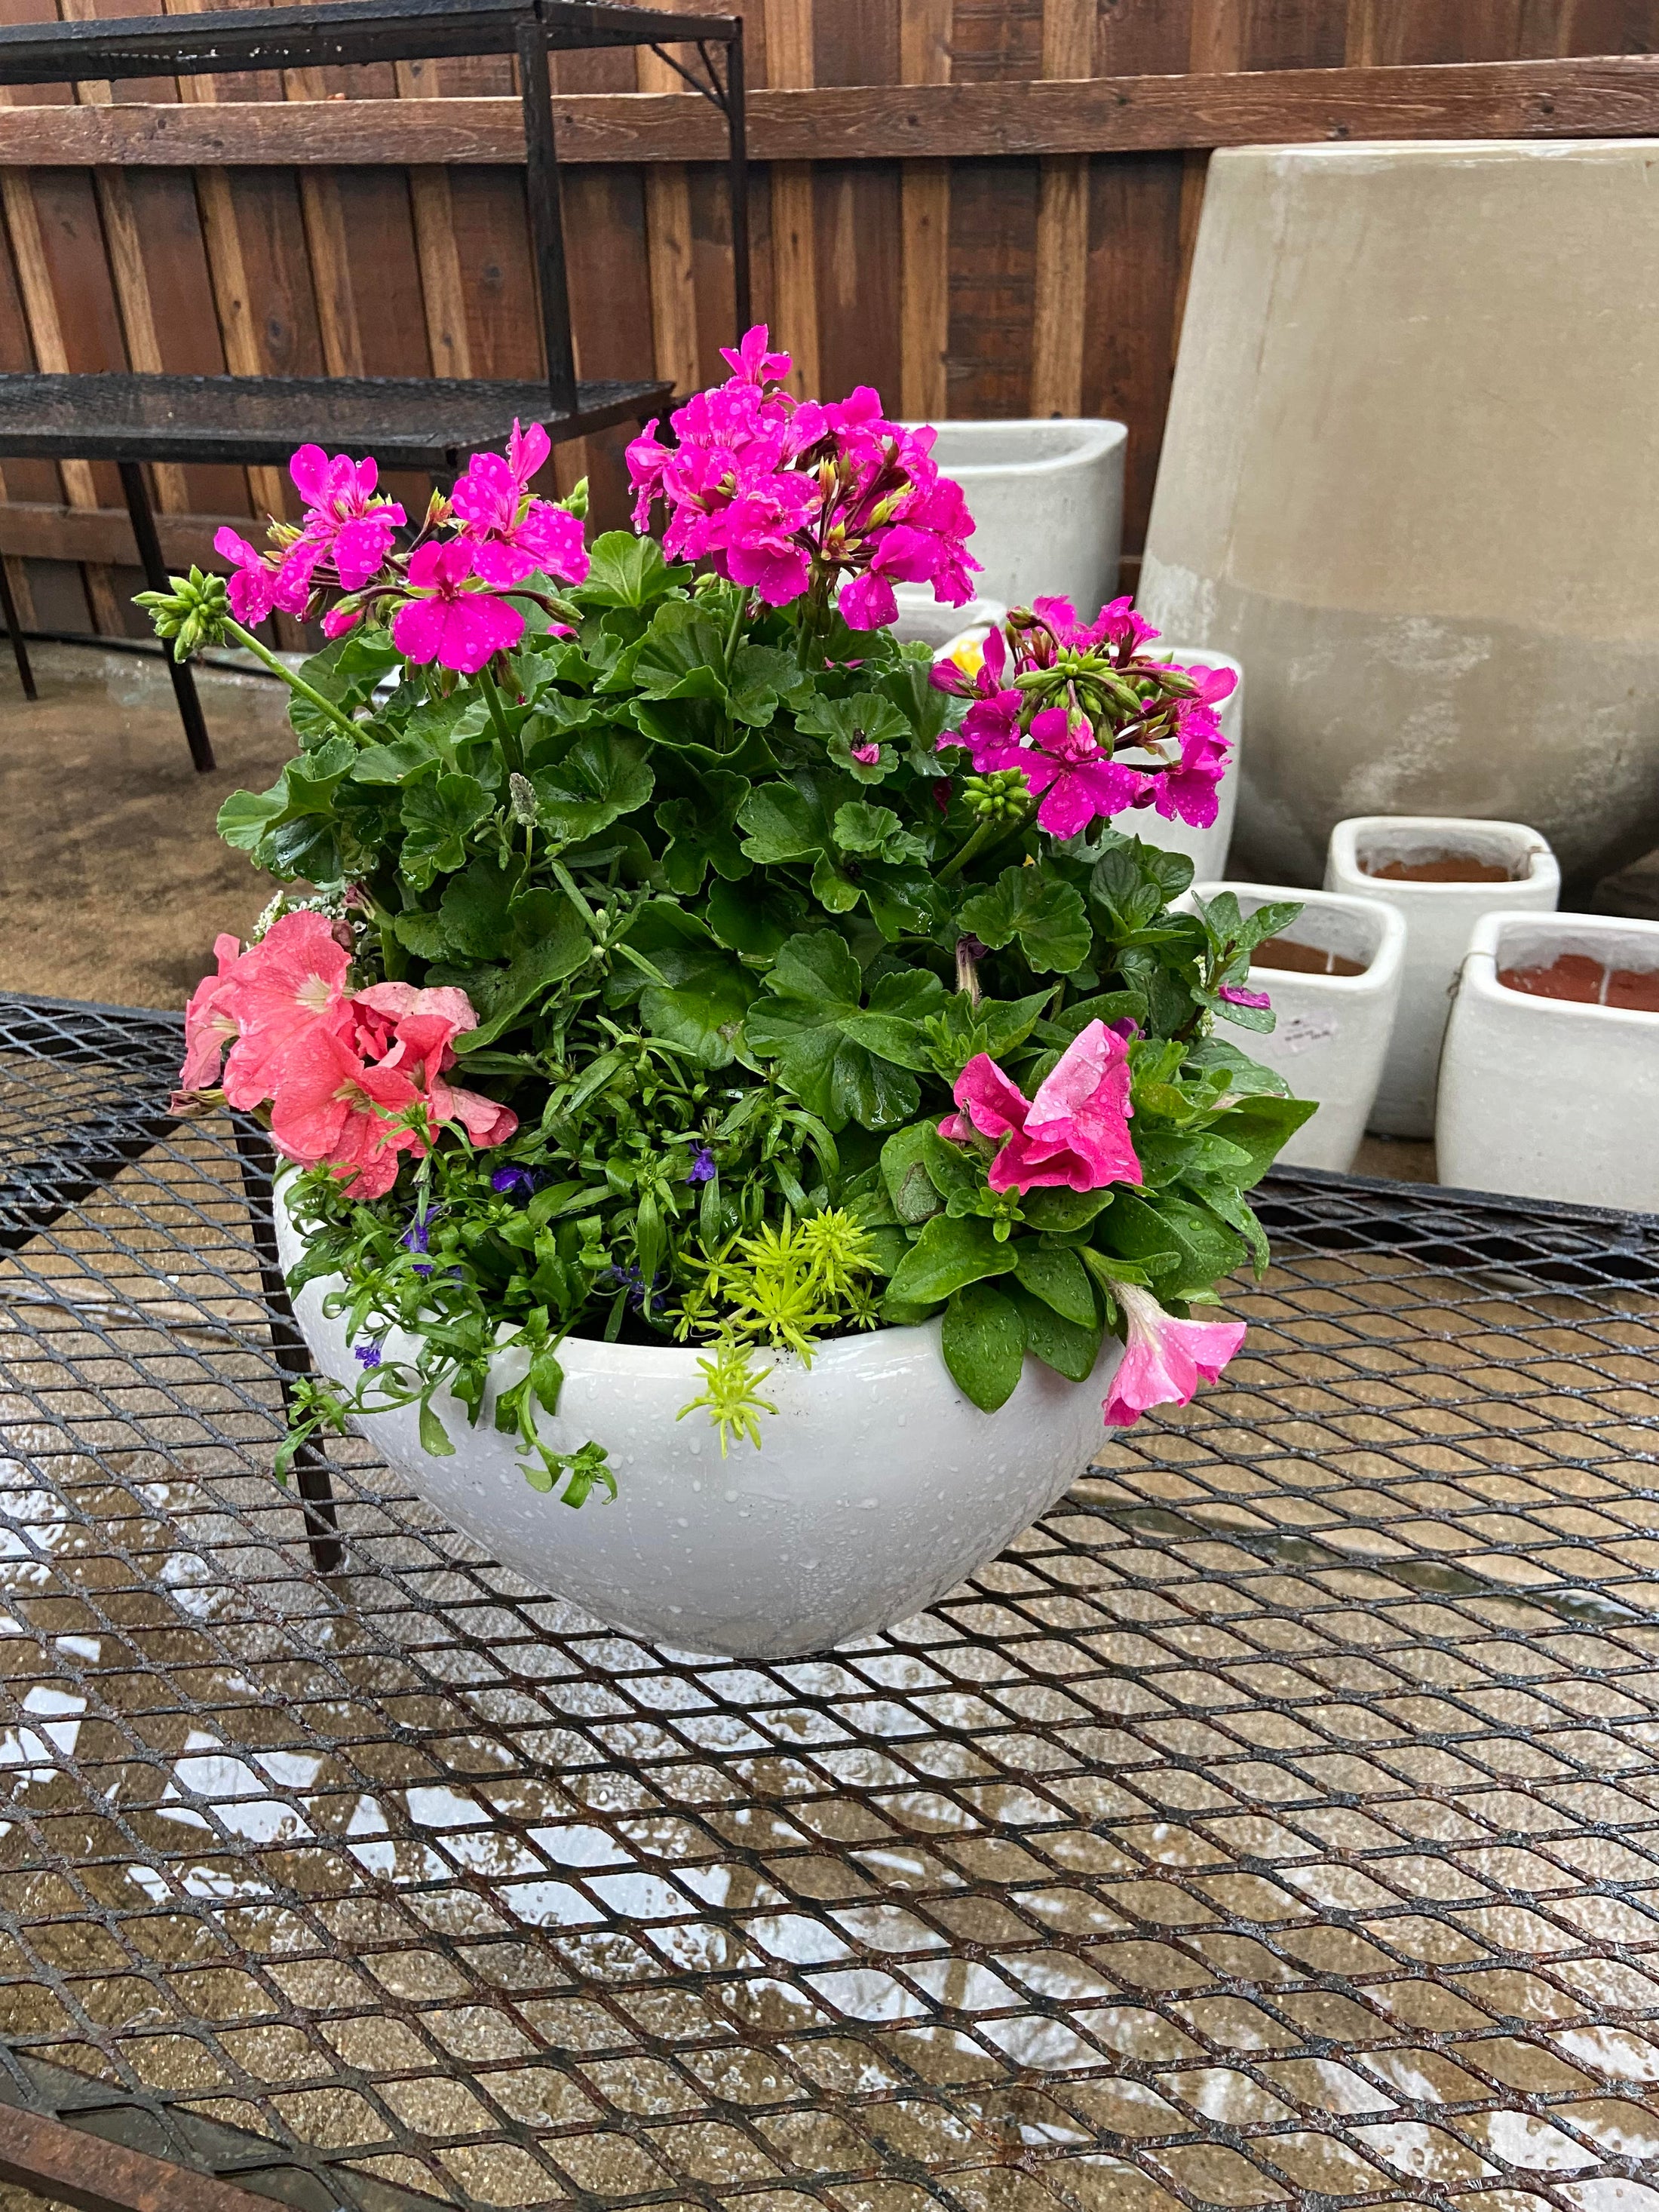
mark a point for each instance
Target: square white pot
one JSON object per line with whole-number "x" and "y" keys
{"x": 1438, "y": 919}
{"x": 924, "y": 620}
{"x": 1332, "y": 1032}
{"x": 1046, "y": 499}
{"x": 1548, "y": 1098}
{"x": 1206, "y": 848}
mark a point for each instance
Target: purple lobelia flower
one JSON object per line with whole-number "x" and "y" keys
{"x": 702, "y": 1169}
{"x": 515, "y": 1181}
{"x": 367, "y": 1352}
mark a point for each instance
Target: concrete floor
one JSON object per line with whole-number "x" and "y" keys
{"x": 113, "y": 881}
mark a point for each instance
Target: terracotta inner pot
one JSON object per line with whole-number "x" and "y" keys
{"x": 1576, "y": 975}
{"x": 1444, "y": 868}
{"x": 1305, "y": 959}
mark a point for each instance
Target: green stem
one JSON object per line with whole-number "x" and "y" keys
{"x": 567, "y": 884}
{"x": 297, "y": 683}
{"x": 512, "y": 751}
{"x": 990, "y": 833}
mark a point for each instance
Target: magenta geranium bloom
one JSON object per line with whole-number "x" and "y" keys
{"x": 345, "y": 524}
{"x": 513, "y": 535}
{"x": 1164, "y": 1359}
{"x": 446, "y": 622}
{"x": 1073, "y": 1134}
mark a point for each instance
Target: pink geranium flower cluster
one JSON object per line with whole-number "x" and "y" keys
{"x": 1104, "y": 698}
{"x": 1073, "y": 1134}
{"x": 354, "y": 1080}
{"x": 443, "y": 597}
{"x": 789, "y": 497}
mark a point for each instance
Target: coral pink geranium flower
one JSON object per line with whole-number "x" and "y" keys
{"x": 1164, "y": 1359}
{"x": 427, "y": 1023}
{"x": 1073, "y": 1133}
{"x": 286, "y": 986}
{"x": 210, "y": 1025}
{"x": 446, "y": 622}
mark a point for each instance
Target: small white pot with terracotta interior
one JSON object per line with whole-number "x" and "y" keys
{"x": 1334, "y": 1014}
{"x": 1411, "y": 862}
{"x": 878, "y": 1487}
{"x": 1206, "y": 848}
{"x": 923, "y": 621}
{"x": 1551, "y": 1096}
{"x": 1046, "y": 499}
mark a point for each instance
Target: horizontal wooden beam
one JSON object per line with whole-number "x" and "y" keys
{"x": 30, "y": 530}
{"x": 1613, "y": 96}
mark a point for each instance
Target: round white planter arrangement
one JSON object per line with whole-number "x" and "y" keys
{"x": 1438, "y": 918}
{"x": 1549, "y": 1098}
{"x": 1421, "y": 504}
{"x": 879, "y": 1486}
{"x": 1206, "y": 849}
{"x": 1046, "y": 496}
{"x": 1332, "y": 1030}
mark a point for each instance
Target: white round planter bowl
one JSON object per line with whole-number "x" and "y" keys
{"x": 1548, "y": 1098}
{"x": 1047, "y": 498}
{"x": 878, "y": 1488}
{"x": 1332, "y": 1032}
{"x": 1438, "y": 919}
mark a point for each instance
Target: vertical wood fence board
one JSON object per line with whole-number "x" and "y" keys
{"x": 611, "y": 311}
{"x": 1133, "y": 274}
{"x": 993, "y": 207}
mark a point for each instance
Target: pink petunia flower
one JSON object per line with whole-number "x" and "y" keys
{"x": 288, "y": 985}
{"x": 446, "y": 622}
{"x": 1236, "y": 996}
{"x": 512, "y": 534}
{"x": 1164, "y": 1359}
{"x": 210, "y": 1025}
{"x": 1074, "y": 1134}
{"x": 345, "y": 523}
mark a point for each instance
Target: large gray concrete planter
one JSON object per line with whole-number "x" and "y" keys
{"x": 1411, "y": 479}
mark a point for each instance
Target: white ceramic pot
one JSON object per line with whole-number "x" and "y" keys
{"x": 1332, "y": 1032}
{"x": 922, "y": 620}
{"x": 879, "y": 1486}
{"x": 1545, "y": 1097}
{"x": 1438, "y": 919}
{"x": 1206, "y": 849}
{"x": 1047, "y": 500}
{"x": 1410, "y": 478}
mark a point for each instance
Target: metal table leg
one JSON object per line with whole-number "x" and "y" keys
{"x": 155, "y": 575}
{"x": 253, "y": 1150}
{"x": 15, "y": 631}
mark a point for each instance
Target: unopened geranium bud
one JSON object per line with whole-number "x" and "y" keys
{"x": 999, "y": 797}
{"x": 194, "y": 614}
{"x": 437, "y": 511}
{"x": 521, "y": 799}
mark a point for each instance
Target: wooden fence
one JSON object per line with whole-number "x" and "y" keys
{"x": 983, "y": 207}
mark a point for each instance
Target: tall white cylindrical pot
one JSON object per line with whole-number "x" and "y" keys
{"x": 1206, "y": 848}
{"x": 1545, "y": 1097}
{"x": 1046, "y": 499}
{"x": 1410, "y": 478}
{"x": 1331, "y": 1036}
{"x": 1438, "y": 917}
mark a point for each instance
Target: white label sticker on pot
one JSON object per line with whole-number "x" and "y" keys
{"x": 1304, "y": 1030}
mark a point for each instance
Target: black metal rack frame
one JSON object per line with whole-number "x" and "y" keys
{"x": 427, "y": 423}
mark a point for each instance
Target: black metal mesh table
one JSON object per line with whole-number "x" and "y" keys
{"x": 1278, "y": 1822}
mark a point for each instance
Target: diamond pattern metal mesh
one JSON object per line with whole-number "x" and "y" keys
{"x": 1277, "y": 1823}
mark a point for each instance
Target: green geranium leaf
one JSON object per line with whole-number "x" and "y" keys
{"x": 753, "y": 916}
{"x": 625, "y": 571}
{"x": 437, "y": 814}
{"x": 784, "y": 822}
{"x": 760, "y": 676}
{"x": 705, "y": 991}
{"x": 602, "y": 777}
{"x": 701, "y": 834}
{"x": 811, "y": 991}
{"x": 891, "y": 1024}
{"x": 682, "y": 655}
{"x": 1042, "y": 910}
{"x": 948, "y": 1255}
{"x": 983, "y": 1339}
{"x": 519, "y": 988}
{"x": 860, "y": 827}
{"x": 245, "y": 816}
{"x": 866, "y": 719}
